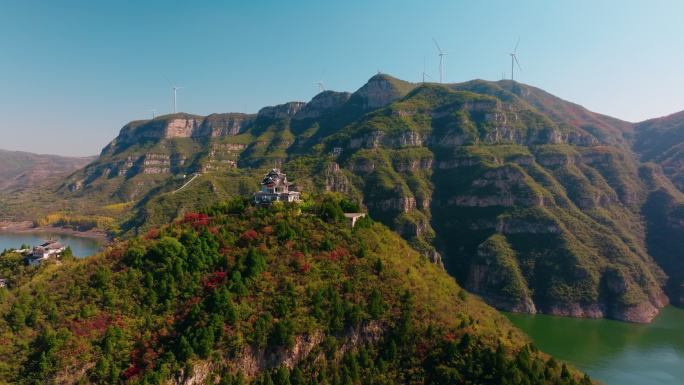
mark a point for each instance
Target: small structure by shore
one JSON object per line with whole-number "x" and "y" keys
{"x": 45, "y": 251}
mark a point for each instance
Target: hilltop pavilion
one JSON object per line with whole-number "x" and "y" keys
{"x": 275, "y": 188}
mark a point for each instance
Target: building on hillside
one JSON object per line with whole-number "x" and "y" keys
{"x": 275, "y": 188}
{"x": 353, "y": 217}
{"x": 3, "y": 282}
{"x": 45, "y": 251}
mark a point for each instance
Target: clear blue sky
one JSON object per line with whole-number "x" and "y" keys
{"x": 72, "y": 72}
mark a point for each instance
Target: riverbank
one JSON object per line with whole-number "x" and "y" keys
{"x": 27, "y": 227}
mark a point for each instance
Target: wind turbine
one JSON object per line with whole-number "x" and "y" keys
{"x": 441, "y": 55}
{"x": 175, "y": 92}
{"x": 154, "y": 113}
{"x": 514, "y": 59}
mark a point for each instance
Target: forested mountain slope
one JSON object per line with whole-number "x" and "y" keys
{"x": 236, "y": 295}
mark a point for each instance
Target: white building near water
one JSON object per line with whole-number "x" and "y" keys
{"x": 45, "y": 251}
{"x": 275, "y": 188}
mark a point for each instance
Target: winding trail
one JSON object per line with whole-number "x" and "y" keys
{"x": 186, "y": 183}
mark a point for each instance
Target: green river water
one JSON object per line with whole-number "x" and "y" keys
{"x": 615, "y": 353}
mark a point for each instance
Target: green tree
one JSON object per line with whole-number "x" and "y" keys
{"x": 376, "y": 305}
{"x": 256, "y": 263}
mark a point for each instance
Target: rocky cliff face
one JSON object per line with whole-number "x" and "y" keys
{"x": 179, "y": 126}
{"x": 252, "y": 361}
{"x": 217, "y": 125}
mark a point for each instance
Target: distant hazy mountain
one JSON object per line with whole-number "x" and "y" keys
{"x": 21, "y": 169}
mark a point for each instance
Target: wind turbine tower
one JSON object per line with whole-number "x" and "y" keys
{"x": 154, "y": 113}
{"x": 441, "y": 55}
{"x": 321, "y": 86}
{"x": 514, "y": 59}
{"x": 175, "y": 92}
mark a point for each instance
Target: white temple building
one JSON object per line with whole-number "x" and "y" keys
{"x": 275, "y": 188}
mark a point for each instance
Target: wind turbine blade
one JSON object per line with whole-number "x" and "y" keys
{"x": 515, "y": 58}
{"x": 516, "y": 46}
{"x": 437, "y": 45}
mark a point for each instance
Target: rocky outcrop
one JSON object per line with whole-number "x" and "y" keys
{"x": 181, "y": 126}
{"x": 502, "y": 186}
{"x": 217, "y": 125}
{"x": 365, "y": 166}
{"x": 380, "y": 91}
{"x": 335, "y": 179}
{"x": 281, "y": 111}
{"x": 459, "y": 161}
{"x": 378, "y": 139}
{"x": 323, "y": 103}
{"x": 123, "y": 167}
{"x": 410, "y": 165}
{"x": 554, "y": 159}
{"x": 253, "y": 361}
{"x": 400, "y": 204}
{"x": 156, "y": 164}
{"x": 511, "y": 226}
{"x": 496, "y": 276}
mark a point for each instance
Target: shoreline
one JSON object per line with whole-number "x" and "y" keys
{"x": 27, "y": 227}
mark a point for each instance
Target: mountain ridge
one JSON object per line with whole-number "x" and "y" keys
{"x": 532, "y": 202}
